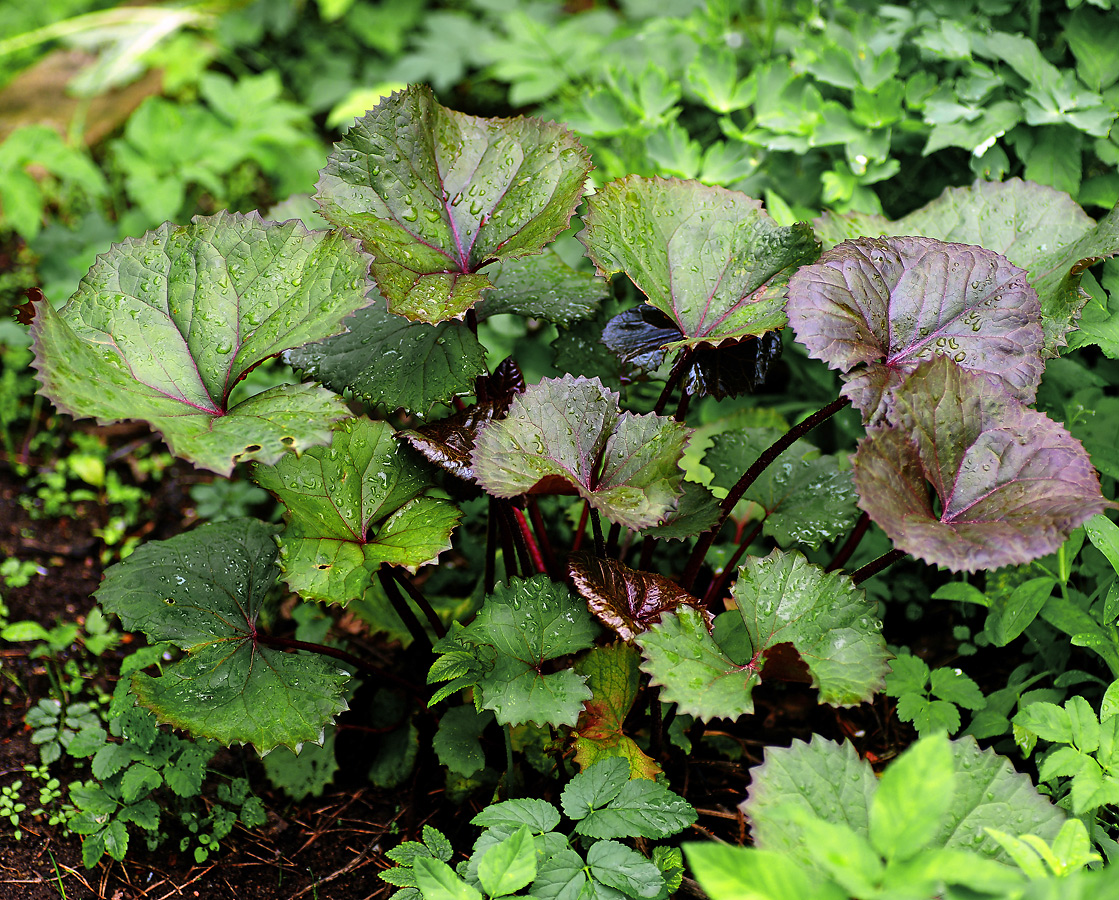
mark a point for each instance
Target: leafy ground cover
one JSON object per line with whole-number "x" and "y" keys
{"x": 771, "y": 502}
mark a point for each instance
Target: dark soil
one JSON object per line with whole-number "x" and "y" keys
{"x": 331, "y": 846}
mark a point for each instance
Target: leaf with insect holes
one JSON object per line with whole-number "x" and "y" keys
{"x": 625, "y": 599}
{"x": 392, "y": 363}
{"x": 889, "y": 303}
{"x": 1011, "y": 483}
{"x": 613, "y": 676}
{"x": 710, "y": 259}
{"x": 1034, "y": 226}
{"x": 521, "y": 626}
{"x": 568, "y": 435}
{"x": 164, "y": 325}
{"x": 203, "y": 592}
{"x": 436, "y": 195}
{"x": 807, "y": 497}
{"x": 352, "y": 507}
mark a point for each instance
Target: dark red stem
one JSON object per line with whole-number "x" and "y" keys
{"x": 877, "y": 565}
{"x": 850, "y": 545}
{"x": 392, "y": 591}
{"x": 719, "y": 584}
{"x": 530, "y": 542}
{"x": 683, "y": 361}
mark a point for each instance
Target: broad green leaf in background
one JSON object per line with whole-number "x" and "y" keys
{"x": 521, "y": 626}
{"x": 436, "y": 195}
{"x": 1038, "y": 228}
{"x": 541, "y": 287}
{"x": 392, "y": 363}
{"x": 888, "y": 303}
{"x": 835, "y": 630}
{"x": 613, "y": 676}
{"x": 352, "y": 507}
{"x": 203, "y": 592}
{"x": 913, "y": 798}
{"x": 568, "y": 435}
{"x": 726, "y": 872}
{"x": 456, "y": 741}
{"x": 710, "y": 259}
{"x": 806, "y": 497}
{"x": 304, "y": 774}
{"x": 164, "y": 326}
{"x": 1012, "y": 484}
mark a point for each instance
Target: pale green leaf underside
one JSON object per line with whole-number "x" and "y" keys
{"x": 352, "y": 507}
{"x": 559, "y": 430}
{"x": 836, "y": 632}
{"x": 163, "y": 326}
{"x": 710, "y": 259}
{"x": 203, "y": 591}
{"x": 437, "y": 194}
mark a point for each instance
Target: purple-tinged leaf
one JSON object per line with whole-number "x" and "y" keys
{"x": 710, "y": 259}
{"x": 1036, "y": 227}
{"x": 890, "y": 302}
{"x": 436, "y": 195}
{"x": 1011, "y": 483}
{"x": 625, "y": 599}
{"x": 568, "y": 435}
{"x": 163, "y": 327}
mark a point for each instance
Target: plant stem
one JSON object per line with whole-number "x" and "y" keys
{"x": 472, "y": 320}
{"x": 875, "y": 566}
{"x": 291, "y": 644}
{"x": 683, "y": 362}
{"x": 719, "y": 584}
{"x": 682, "y": 407}
{"x": 850, "y": 545}
{"x": 749, "y": 477}
{"x": 530, "y": 542}
{"x": 490, "y": 575}
{"x": 656, "y": 727}
{"x": 508, "y": 553}
{"x": 508, "y": 731}
{"x": 524, "y": 559}
{"x": 646, "y": 558}
{"x": 542, "y": 537}
{"x": 392, "y": 591}
{"x": 599, "y": 543}
{"x": 612, "y": 540}
{"x": 582, "y": 528}
{"x": 420, "y": 601}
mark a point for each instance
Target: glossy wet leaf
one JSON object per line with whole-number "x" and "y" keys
{"x": 521, "y": 626}
{"x": 163, "y": 326}
{"x": 541, "y": 287}
{"x": 783, "y": 598}
{"x": 352, "y": 507}
{"x": 1011, "y": 483}
{"x": 203, "y": 591}
{"x": 392, "y": 363}
{"x": 436, "y": 194}
{"x": 624, "y": 599}
{"x": 710, "y": 259}
{"x": 888, "y": 303}
{"x": 1036, "y": 227}
{"x": 807, "y": 498}
{"x": 696, "y": 511}
{"x": 613, "y": 676}
{"x": 607, "y": 803}
{"x": 568, "y": 435}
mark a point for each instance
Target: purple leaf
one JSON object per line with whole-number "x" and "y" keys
{"x": 891, "y": 302}
{"x": 1011, "y": 483}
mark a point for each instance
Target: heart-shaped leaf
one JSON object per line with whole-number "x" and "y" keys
{"x": 622, "y": 598}
{"x": 163, "y": 326}
{"x": 1036, "y": 227}
{"x": 807, "y": 498}
{"x": 392, "y": 363}
{"x": 352, "y": 507}
{"x": 710, "y": 259}
{"x": 1011, "y": 483}
{"x": 569, "y": 435}
{"x": 436, "y": 195}
{"x": 203, "y": 592}
{"x": 891, "y": 302}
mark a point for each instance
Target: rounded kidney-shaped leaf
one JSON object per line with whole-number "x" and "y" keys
{"x": 163, "y": 326}
{"x": 569, "y": 435}
{"x": 436, "y": 195}
{"x": 891, "y": 302}
{"x": 203, "y": 591}
{"x": 710, "y": 259}
{"x": 352, "y": 507}
{"x": 1012, "y": 484}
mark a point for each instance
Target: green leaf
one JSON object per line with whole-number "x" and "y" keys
{"x": 807, "y": 497}
{"x": 739, "y": 873}
{"x": 456, "y": 741}
{"x": 569, "y": 435}
{"x": 692, "y": 671}
{"x": 617, "y": 866}
{"x": 1092, "y": 37}
{"x": 539, "y": 815}
{"x": 164, "y": 326}
{"x": 560, "y": 876}
{"x": 436, "y": 195}
{"x": 641, "y": 808}
{"x": 392, "y": 363}
{"x": 953, "y": 685}
{"x": 353, "y": 507}
{"x": 594, "y": 788}
{"x": 908, "y": 675}
{"x": 542, "y": 287}
{"x": 1010, "y": 614}
{"x": 913, "y": 797}
{"x": 1104, "y": 535}
{"x": 784, "y": 598}
{"x": 203, "y": 591}
{"x": 438, "y": 881}
{"x": 656, "y": 230}
{"x": 138, "y": 781}
{"x": 510, "y": 865}
{"x": 526, "y": 623}
{"x": 304, "y": 774}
